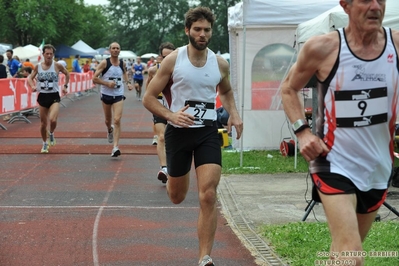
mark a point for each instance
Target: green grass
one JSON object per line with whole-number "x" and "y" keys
{"x": 257, "y": 162}
{"x": 299, "y": 243}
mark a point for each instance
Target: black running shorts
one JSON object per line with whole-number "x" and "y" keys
{"x": 158, "y": 120}
{"x": 332, "y": 184}
{"x": 47, "y": 99}
{"x": 109, "y": 100}
{"x": 181, "y": 144}
{"x": 139, "y": 81}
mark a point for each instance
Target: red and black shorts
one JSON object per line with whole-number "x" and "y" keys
{"x": 333, "y": 184}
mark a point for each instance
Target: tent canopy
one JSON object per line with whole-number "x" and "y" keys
{"x": 336, "y": 17}
{"x": 149, "y": 55}
{"x": 102, "y": 51}
{"x": 85, "y": 48}
{"x": 266, "y": 12}
{"x": 64, "y": 51}
{"x": 124, "y": 54}
{"x": 261, "y": 37}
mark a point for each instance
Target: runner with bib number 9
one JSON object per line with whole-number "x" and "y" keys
{"x": 351, "y": 155}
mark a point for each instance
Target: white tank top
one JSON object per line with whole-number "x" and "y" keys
{"x": 358, "y": 119}
{"x": 47, "y": 80}
{"x": 195, "y": 86}
{"x": 113, "y": 73}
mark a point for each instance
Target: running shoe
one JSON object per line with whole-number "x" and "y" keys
{"x": 52, "y": 139}
{"x": 110, "y": 135}
{"x": 206, "y": 261}
{"x": 163, "y": 175}
{"x": 45, "y": 148}
{"x": 115, "y": 152}
{"x": 155, "y": 140}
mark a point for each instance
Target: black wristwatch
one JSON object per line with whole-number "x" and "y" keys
{"x": 299, "y": 125}
{"x": 66, "y": 86}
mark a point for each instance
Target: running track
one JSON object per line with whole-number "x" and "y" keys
{"x": 78, "y": 206}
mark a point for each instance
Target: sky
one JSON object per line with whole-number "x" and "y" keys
{"x": 96, "y": 2}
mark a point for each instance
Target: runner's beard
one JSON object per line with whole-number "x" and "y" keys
{"x": 197, "y": 46}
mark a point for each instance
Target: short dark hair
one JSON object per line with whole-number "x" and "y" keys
{"x": 11, "y": 51}
{"x": 28, "y": 69}
{"x": 27, "y": 60}
{"x": 166, "y": 45}
{"x": 198, "y": 13}
{"x": 77, "y": 56}
{"x": 1, "y": 58}
{"x": 48, "y": 46}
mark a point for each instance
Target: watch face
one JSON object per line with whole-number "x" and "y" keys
{"x": 297, "y": 124}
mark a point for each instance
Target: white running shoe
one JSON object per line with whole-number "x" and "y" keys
{"x": 52, "y": 139}
{"x": 206, "y": 261}
{"x": 155, "y": 140}
{"x": 163, "y": 175}
{"x": 115, "y": 152}
{"x": 45, "y": 148}
{"x": 110, "y": 135}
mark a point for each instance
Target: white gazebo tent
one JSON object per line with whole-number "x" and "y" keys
{"x": 261, "y": 37}
{"x": 84, "y": 48}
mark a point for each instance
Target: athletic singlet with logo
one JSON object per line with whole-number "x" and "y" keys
{"x": 357, "y": 121}
{"x": 194, "y": 85}
{"x": 113, "y": 73}
{"x": 138, "y": 71}
{"x": 47, "y": 80}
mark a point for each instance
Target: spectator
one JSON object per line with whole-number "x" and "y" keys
{"x": 86, "y": 67}
{"x": 28, "y": 63}
{"x": 26, "y": 71}
{"x": 12, "y": 63}
{"x": 3, "y": 69}
{"x": 76, "y": 68}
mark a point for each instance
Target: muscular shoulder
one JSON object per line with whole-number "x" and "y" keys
{"x": 223, "y": 65}
{"x": 168, "y": 63}
{"x": 322, "y": 45}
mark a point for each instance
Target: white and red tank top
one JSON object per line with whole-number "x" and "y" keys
{"x": 357, "y": 115}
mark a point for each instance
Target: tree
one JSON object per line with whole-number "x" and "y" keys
{"x": 143, "y": 26}
{"x": 220, "y": 32}
{"x": 56, "y": 21}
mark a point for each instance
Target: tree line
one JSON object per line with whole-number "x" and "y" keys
{"x": 140, "y": 26}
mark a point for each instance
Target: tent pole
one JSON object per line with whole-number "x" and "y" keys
{"x": 243, "y": 92}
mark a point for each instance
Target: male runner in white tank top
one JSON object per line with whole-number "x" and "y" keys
{"x": 49, "y": 93}
{"x": 351, "y": 155}
{"x": 113, "y": 77}
{"x": 196, "y": 72}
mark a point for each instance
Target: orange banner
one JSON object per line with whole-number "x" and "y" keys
{"x": 16, "y": 95}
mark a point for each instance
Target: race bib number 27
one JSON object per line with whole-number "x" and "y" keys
{"x": 203, "y": 112}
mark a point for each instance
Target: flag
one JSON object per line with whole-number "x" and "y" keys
{"x": 39, "y": 58}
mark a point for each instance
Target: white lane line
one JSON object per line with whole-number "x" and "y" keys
{"x": 97, "y": 221}
{"x": 95, "y": 207}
